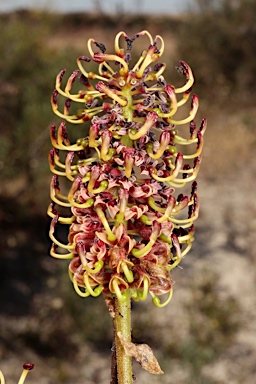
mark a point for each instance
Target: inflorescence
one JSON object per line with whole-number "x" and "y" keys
{"x": 127, "y": 230}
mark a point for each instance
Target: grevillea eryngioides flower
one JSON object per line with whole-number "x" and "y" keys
{"x": 131, "y": 215}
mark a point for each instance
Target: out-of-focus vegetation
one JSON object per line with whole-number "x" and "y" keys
{"x": 28, "y": 67}
{"x": 219, "y": 42}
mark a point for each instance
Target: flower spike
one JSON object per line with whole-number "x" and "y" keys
{"x": 128, "y": 228}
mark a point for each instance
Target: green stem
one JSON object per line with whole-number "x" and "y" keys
{"x": 127, "y": 110}
{"x": 122, "y": 323}
{"x": 128, "y": 114}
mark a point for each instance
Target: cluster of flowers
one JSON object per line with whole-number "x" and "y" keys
{"x": 127, "y": 230}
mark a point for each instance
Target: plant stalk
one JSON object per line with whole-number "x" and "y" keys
{"x": 122, "y": 323}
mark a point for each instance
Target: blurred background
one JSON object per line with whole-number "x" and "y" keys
{"x": 207, "y": 334}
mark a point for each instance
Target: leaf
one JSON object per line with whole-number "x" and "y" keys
{"x": 143, "y": 354}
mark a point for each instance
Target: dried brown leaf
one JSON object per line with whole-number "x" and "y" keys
{"x": 143, "y": 354}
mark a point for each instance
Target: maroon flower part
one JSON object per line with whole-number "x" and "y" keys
{"x": 128, "y": 228}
